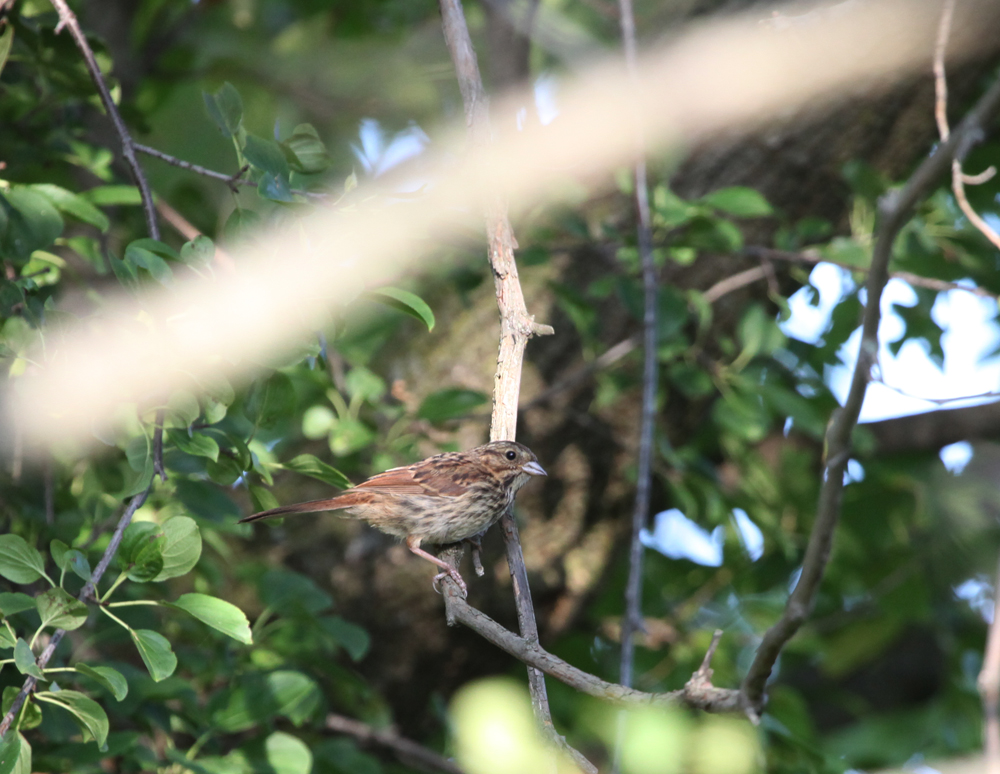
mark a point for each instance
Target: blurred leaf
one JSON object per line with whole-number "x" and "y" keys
{"x": 181, "y": 547}
{"x": 73, "y": 204}
{"x": 309, "y": 465}
{"x": 141, "y": 552}
{"x": 309, "y": 154}
{"x": 406, "y": 302}
{"x": 113, "y": 195}
{"x": 60, "y": 610}
{"x": 58, "y": 549}
{"x": 87, "y": 712}
{"x": 32, "y": 222}
{"x": 30, "y": 714}
{"x": 7, "y": 640}
{"x": 6, "y": 40}
{"x": 448, "y": 404}
{"x": 266, "y": 155}
{"x": 270, "y": 400}
{"x": 259, "y": 698}
{"x": 364, "y": 385}
{"x": 10, "y": 745}
{"x": 276, "y": 189}
{"x": 740, "y": 202}
{"x": 198, "y": 252}
{"x": 195, "y": 444}
{"x": 288, "y": 755}
{"x": 352, "y": 637}
{"x": 25, "y": 661}
{"x": 110, "y": 678}
{"x": 11, "y": 603}
{"x": 240, "y": 223}
{"x": 203, "y": 499}
{"x": 156, "y": 653}
{"x": 263, "y": 499}
{"x": 225, "y": 107}
{"x": 20, "y": 562}
{"x": 219, "y": 614}
{"x": 289, "y": 593}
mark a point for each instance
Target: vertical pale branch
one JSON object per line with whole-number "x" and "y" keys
{"x": 989, "y": 687}
{"x": 895, "y": 209}
{"x": 516, "y": 327}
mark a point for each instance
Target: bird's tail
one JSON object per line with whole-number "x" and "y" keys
{"x": 330, "y": 504}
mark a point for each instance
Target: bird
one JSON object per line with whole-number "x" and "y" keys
{"x": 446, "y": 498}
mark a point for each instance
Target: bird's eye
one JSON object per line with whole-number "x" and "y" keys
{"x": 511, "y": 455}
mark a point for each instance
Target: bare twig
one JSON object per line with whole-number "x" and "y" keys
{"x": 958, "y": 178}
{"x": 231, "y": 180}
{"x": 895, "y": 209}
{"x": 702, "y": 696}
{"x": 516, "y": 325}
{"x": 608, "y": 358}
{"x": 48, "y": 482}
{"x": 936, "y": 401}
{"x": 85, "y": 595}
{"x": 409, "y": 752}
{"x": 632, "y": 621}
{"x": 68, "y": 20}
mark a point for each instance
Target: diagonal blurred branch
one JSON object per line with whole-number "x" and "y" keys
{"x": 409, "y": 752}
{"x": 895, "y": 209}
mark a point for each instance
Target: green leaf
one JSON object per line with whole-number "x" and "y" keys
{"x": 225, "y": 108}
{"x": 11, "y": 603}
{"x": 20, "y": 562}
{"x": 7, "y": 639}
{"x": 113, "y": 195}
{"x": 141, "y": 552}
{"x": 196, "y": 444}
{"x": 199, "y": 251}
{"x": 307, "y": 150}
{"x": 6, "y": 40}
{"x": 110, "y": 678}
{"x": 274, "y": 188}
{"x": 24, "y": 659}
{"x": 209, "y": 502}
{"x": 125, "y": 272}
{"x": 30, "y": 714}
{"x": 352, "y": 637}
{"x": 156, "y": 653}
{"x": 23, "y": 765}
{"x": 181, "y": 549}
{"x": 141, "y": 256}
{"x": 739, "y": 201}
{"x": 217, "y": 613}
{"x": 363, "y": 384}
{"x": 266, "y": 155}
{"x": 32, "y": 222}
{"x": 240, "y": 224}
{"x": 292, "y": 593}
{"x": 450, "y": 404}
{"x": 58, "y": 549}
{"x": 73, "y": 204}
{"x": 87, "y": 712}
{"x": 57, "y": 608}
{"x": 257, "y": 699}
{"x": 407, "y": 302}
{"x": 309, "y": 465}
{"x": 78, "y": 564}
{"x": 262, "y": 498}
{"x": 287, "y": 754}
{"x": 270, "y": 400}
{"x": 10, "y": 746}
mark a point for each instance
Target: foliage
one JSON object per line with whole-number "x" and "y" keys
{"x": 198, "y": 653}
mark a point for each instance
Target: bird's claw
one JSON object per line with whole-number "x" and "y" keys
{"x": 454, "y": 575}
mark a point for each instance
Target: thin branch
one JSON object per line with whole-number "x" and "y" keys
{"x": 184, "y": 227}
{"x": 895, "y": 209}
{"x": 608, "y": 358}
{"x": 516, "y": 325}
{"x": 68, "y": 20}
{"x": 734, "y": 282}
{"x": 701, "y": 696}
{"x": 632, "y": 620}
{"x": 958, "y": 178}
{"x": 936, "y": 401}
{"x": 231, "y": 180}
{"x": 86, "y": 595}
{"x": 409, "y": 752}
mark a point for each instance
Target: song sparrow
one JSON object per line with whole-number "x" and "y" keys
{"x": 442, "y": 499}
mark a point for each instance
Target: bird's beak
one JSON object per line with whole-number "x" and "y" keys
{"x": 534, "y": 469}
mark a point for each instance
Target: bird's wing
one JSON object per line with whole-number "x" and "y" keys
{"x": 446, "y": 475}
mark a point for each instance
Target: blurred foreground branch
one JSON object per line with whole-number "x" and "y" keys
{"x": 407, "y": 751}
{"x": 895, "y": 209}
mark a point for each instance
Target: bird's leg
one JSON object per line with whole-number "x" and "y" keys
{"x": 476, "y": 541}
{"x": 413, "y": 543}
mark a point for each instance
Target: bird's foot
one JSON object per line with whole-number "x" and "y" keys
{"x": 455, "y": 576}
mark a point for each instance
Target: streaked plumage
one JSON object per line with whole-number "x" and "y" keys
{"x": 443, "y": 499}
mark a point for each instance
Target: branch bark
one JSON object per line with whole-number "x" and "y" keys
{"x": 407, "y": 751}
{"x": 895, "y": 209}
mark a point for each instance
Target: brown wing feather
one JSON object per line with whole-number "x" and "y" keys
{"x": 445, "y": 475}
{"x": 344, "y": 500}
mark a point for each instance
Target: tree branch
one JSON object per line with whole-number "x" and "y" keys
{"x": 697, "y": 694}
{"x": 989, "y": 686}
{"x": 895, "y": 209}
{"x": 85, "y": 595}
{"x": 516, "y": 325}
{"x": 407, "y": 751}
